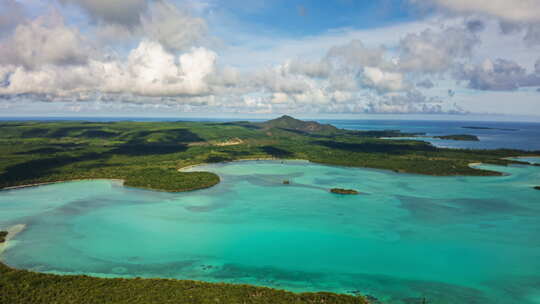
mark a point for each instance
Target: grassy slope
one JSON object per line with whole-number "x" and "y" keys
{"x": 24, "y": 287}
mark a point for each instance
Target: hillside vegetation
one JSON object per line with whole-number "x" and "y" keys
{"x": 149, "y": 154}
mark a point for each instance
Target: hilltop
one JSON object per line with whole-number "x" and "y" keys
{"x": 289, "y": 123}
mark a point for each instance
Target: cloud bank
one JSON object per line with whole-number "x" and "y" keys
{"x": 171, "y": 57}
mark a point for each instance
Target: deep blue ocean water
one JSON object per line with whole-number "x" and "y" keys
{"x": 510, "y": 135}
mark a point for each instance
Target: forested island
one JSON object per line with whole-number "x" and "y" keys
{"x": 149, "y": 154}
{"x": 465, "y": 137}
{"x": 488, "y": 128}
{"x": 343, "y": 191}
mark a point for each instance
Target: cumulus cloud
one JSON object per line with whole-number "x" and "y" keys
{"x": 45, "y": 40}
{"x": 174, "y": 28}
{"x": 426, "y": 84}
{"x": 383, "y": 81}
{"x": 498, "y": 75}
{"x": 436, "y": 51}
{"x": 356, "y": 55}
{"x": 514, "y": 16}
{"x": 149, "y": 70}
{"x": 412, "y": 101}
{"x": 126, "y": 12}
{"x": 475, "y": 25}
{"x": 154, "y": 72}
{"x": 532, "y": 36}
{"x": 514, "y": 11}
{"x": 319, "y": 69}
{"x": 166, "y": 62}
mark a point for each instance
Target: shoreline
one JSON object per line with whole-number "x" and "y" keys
{"x": 183, "y": 169}
{"x": 243, "y": 159}
{"x": 57, "y": 182}
{"x": 12, "y": 232}
{"x": 513, "y": 158}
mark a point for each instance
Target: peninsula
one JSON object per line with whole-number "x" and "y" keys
{"x": 148, "y": 154}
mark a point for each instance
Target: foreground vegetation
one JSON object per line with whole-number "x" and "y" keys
{"x": 23, "y": 287}
{"x": 149, "y": 154}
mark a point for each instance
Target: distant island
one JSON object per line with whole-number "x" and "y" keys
{"x": 537, "y": 187}
{"x": 488, "y": 128}
{"x": 3, "y": 235}
{"x": 343, "y": 191}
{"x": 465, "y": 137}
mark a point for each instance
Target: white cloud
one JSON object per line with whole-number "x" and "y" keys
{"x": 317, "y": 69}
{"x": 45, "y": 40}
{"x": 383, "y": 81}
{"x": 124, "y": 12}
{"x": 174, "y": 28}
{"x": 149, "y": 71}
{"x": 436, "y": 51}
{"x": 356, "y": 55}
{"x": 498, "y": 75}
{"x": 510, "y": 10}
{"x": 165, "y": 61}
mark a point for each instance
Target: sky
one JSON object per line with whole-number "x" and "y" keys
{"x": 340, "y": 58}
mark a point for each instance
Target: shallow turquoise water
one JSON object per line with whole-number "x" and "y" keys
{"x": 450, "y": 239}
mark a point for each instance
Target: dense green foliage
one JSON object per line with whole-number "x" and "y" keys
{"x": 343, "y": 191}
{"x": 289, "y": 123}
{"x": 24, "y": 287}
{"x": 170, "y": 180}
{"x": 3, "y": 235}
{"x": 148, "y": 154}
{"x": 459, "y": 137}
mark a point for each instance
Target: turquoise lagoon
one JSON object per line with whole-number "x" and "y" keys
{"x": 450, "y": 239}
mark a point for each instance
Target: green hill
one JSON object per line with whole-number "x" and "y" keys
{"x": 290, "y": 123}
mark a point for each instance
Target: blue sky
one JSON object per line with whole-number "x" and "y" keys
{"x": 239, "y": 58}
{"x": 303, "y": 17}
